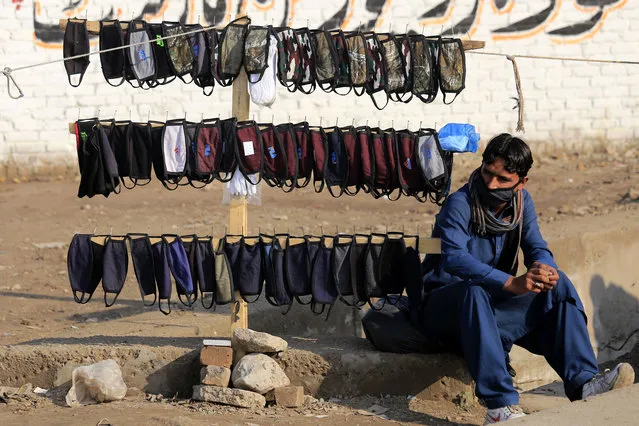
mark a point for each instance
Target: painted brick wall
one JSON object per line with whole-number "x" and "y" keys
{"x": 575, "y": 105}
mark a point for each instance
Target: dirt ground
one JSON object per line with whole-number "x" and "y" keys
{"x": 40, "y": 218}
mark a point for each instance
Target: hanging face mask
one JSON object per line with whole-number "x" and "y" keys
{"x": 391, "y": 266}
{"x": 405, "y": 50}
{"x": 76, "y": 42}
{"x": 249, "y": 151}
{"x": 207, "y": 149}
{"x": 139, "y": 153}
{"x": 275, "y": 289}
{"x": 205, "y": 270}
{"x": 375, "y": 69}
{"x": 353, "y": 160}
{"x": 452, "y": 67}
{"x": 174, "y": 153}
{"x": 84, "y": 266}
{"x": 112, "y": 63}
{"x": 201, "y": 49}
{"x": 356, "y": 46}
{"x": 262, "y": 87}
{"x": 251, "y": 278}
{"x": 325, "y": 54}
{"x": 298, "y": 264}
{"x": 289, "y": 58}
{"x": 286, "y": 134}
{"x": 99, "y": 168}
{"x": 180, "y": 267}
{"x": 307, "y": 80}
{"x": 228, "y": 162}
{"x": 256, "y": 50}
{"x": 320, "y": 159}
{"x": 425, "y": 68}
{"x": 373, "y": 269}
{"x": 195, "y": 179}
{"x": 357, "y": 259}
{"x": 390, "y": 141}
{"x": 274, "y": 157}
{"x": 162, "y": 274}
{"x": 141, "y": 54}
{"x": 116, "y": 266}
{"x": 410, "y": 175}
{"x": 180, "y": 53}
{"x": 119, "y": 137}
{"x": 381, "y": 179}
{"x": 231, "y": 50}
{"x": 142, "y": 258}
{"x": 367, "y": 158}
{"x": 324, "y": 289}
{"x": 341, "y": 267}
{"x": 493, "y": 198}
{"x": 395, "y": 66}
{"x": 212, "y": 37}
{"x": 336, "y": 173}
{"x": 224, "y": 290}
{"x": 343, "y": 78}
{"x": 304, "y": 154}
{"x": 431, "y": 161}
{"x": 163, "y": 72}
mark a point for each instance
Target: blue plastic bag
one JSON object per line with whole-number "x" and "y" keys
{"x": 457, "y": 137}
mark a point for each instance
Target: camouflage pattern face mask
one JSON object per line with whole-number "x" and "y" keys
{"x": 425, "y": 74}
{"x": 356, "y": 46}
{"x": 256, "y": 51}
{"x": 212, "y": 38}
{"x": 395, "y": 68}
{"x": 452, "y": 67}
{"x": 307, "y": 81}
{"x": 343, "y": 63}
{"x": 289, "y": 58}
{"x": 231, "y": 47}
{"x": 375, "y": 68}
{"x": 325, "y": 59}
{"x": 180, "y": 53}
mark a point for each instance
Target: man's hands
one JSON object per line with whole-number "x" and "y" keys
{"x": 539, "y": 278}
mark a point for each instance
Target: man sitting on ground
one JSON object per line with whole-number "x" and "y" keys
{"x": 473, "y": 300}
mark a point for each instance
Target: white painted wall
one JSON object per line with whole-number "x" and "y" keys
{"x": 567, "y": 104}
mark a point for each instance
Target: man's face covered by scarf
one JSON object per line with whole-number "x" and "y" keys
{"x": 497, "y": 185}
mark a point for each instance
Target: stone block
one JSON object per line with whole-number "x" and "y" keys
{"x": 213, "y": 375}
{"x": 289, "y": 396}
{"x": 249, "y": 341}
{"x": 228, "y": 396}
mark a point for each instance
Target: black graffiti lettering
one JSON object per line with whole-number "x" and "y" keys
{"x": 437, "y": 11}
{"x": 579, "y": 27}
{"x": 596, "y": 3}
{"x": 336, "y": 20}
{"x": 500, "y": 4}
{"x": 530, "y": 22}
{"x": 214, "y": 14}
{"x": 465, "y": 24}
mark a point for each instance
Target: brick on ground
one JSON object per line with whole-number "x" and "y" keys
{"x": 216, "y": 355}
{"x": 289, "y": 396}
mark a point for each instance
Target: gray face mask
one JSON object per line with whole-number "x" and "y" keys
{"x": 494, "y": 197}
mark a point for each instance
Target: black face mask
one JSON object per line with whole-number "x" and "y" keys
{"x": 111, "y": 36}
{"x": 115, "y": 268}
{"x": 494, "y": 197}
{"x": 76, "y": 42}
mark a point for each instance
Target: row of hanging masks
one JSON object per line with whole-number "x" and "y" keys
{"x": 310, "y": 270}
{"x": 344, "y": 160}
{"x": 385, "y": 66}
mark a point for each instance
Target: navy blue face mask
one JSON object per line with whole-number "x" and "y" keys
{"x": 84, "y": 265}
{"x": 341, "y": 266}
{"x": 324, "y": 289}
{"x": 142, "y": 257}
{"x": 275, "y": 289}
{"x": 299, "y": 261}
{"x": 162, "y": 275}
{"x": 205, "y": 270}
{"x": 116, "y": 266}
{"x": 180, "y": 267}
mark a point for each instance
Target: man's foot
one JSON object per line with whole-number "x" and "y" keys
{"x": 621, "y": 376}
{"x": 502, "y": 414}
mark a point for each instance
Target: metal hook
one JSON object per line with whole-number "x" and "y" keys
{"x": 198, "y": 19}
{"x": 111, "y": 231}
{"x": 336, "y": 121}
{"x": 167, "y": 116}
{"x": 420, "y": 124}
{"x": 321, "y": 121}
{"x": 95, "y": 229}
{"x": 353, "y": 122}
{"x": 408, "y": 125}
{"x": 129, "y": 114}
{"x": 441, "y": 30}
{"x": 78, "y": 114}
{"x": 148, "y": 115}
{"x": 406, "y": 30}
{"x": 201, "y": 116}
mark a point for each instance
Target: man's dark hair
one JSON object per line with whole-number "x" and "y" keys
{"x": 515, "y": 153}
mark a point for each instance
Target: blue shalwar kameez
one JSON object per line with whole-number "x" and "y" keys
{"x": 463, "y": 304}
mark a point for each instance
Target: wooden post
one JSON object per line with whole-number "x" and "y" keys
{"x": 238, "y": 214}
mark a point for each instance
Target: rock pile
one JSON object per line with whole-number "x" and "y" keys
{"x": 246, "y": 364}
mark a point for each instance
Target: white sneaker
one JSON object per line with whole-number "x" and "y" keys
{"x": 621, "y": 376}
{"x": 502, "y": 414}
